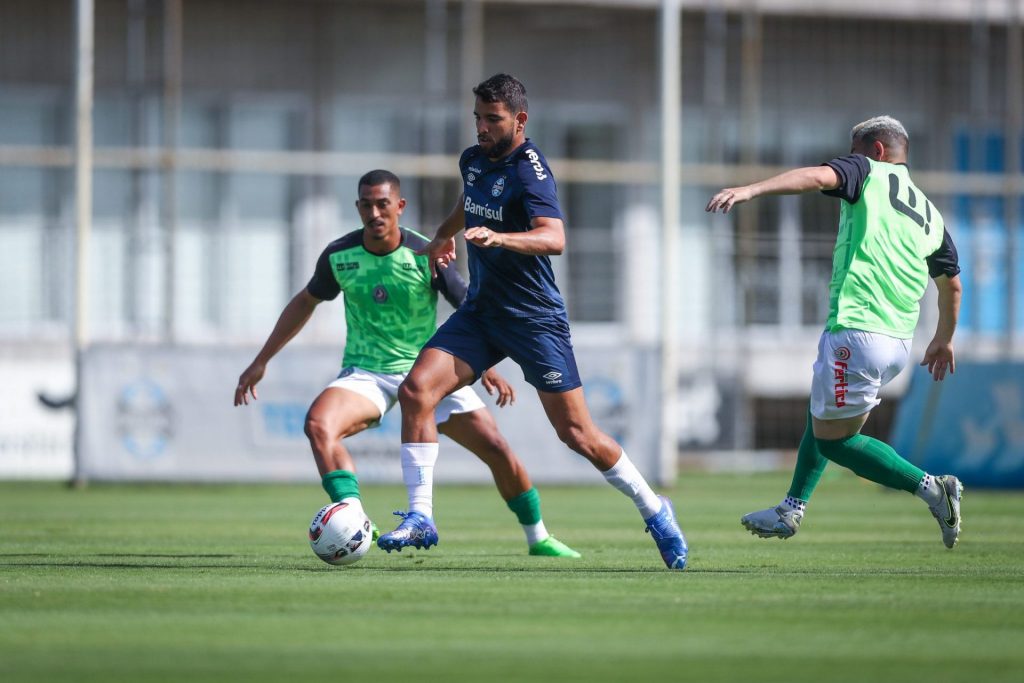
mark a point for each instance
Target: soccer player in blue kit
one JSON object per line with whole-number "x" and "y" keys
{"x": 510, "y": 212}
{"x": 390, "y": 310}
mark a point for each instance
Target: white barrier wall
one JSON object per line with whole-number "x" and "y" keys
{"x": 35, "y": 441}
{"x": 166, "y": 413}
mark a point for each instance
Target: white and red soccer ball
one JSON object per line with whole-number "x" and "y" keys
{"x": 340, "y": 533}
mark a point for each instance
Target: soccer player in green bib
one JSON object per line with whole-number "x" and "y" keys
{"x": 891, "y": 241}
{"x": 390, "y": 311}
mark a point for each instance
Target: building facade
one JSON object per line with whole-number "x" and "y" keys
{"x": 229, "y": 135}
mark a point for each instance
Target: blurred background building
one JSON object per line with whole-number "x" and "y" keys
{"x": 228, "y": 136}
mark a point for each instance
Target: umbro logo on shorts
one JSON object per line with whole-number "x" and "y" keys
{"x": 553, "y": 377}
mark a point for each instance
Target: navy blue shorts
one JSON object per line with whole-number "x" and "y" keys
{"x": 540, "y": 346}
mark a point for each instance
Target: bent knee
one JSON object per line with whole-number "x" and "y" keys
{"x": 410, "y": 394}
{"x": 317, "y": 428}
{"x": 576, "y": 438}
{"x": 415, "y": 395}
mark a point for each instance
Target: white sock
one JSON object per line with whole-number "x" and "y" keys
{"x": 418, "y": 474}
{"x": 790, "y": 503}
{"x": 353, "y": 502}
{"x": 625, "y": 477}
{"x": 929, "y": 490}
{"x": 535, "y": 532}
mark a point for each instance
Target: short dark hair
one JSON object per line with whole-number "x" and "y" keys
{"x": 380, "y": 177}
{"x": 503, "y": 88}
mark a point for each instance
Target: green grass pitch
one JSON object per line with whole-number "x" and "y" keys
{"x": 215, "y": 583}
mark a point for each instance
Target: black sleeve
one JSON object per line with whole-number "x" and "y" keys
{"x": 323, "y": 285}
{"x": 450, "y": 285}
{"x": 852, "y": 170}
{"x": 945, "y": 260}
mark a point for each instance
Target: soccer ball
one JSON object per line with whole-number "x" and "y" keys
{"x": 340, "y": 533}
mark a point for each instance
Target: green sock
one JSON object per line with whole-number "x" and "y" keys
{"x": 526, "y": 506}
{"x": 341, "y": 484}
{"x": 810, "y": 464}
{"x": 874, "y": 460}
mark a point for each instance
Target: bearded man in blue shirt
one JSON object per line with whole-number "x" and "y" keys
{"x": 513, "y": 223}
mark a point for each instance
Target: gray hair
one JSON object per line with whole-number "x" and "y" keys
{"x": 884, "y": 129}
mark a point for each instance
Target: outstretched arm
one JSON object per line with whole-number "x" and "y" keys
{"x": 807, "y": 179}
{"x": 440, "y": 251}
{"x": 939, "y": 354}
{"x": 293, "y": 318}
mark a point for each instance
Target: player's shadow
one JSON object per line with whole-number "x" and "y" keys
{"x": 415, "y": 564}
{"x": 82, "y": 561}
{"x": 482, "y": 570}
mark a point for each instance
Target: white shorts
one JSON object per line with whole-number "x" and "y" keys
{"x": 852, "y": 366}
{"x": 382, "y": 390}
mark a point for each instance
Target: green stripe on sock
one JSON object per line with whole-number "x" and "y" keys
{"x": 874, "y": 460}
{"x": 340, "y": 484}
{"x": 526, "y": 506}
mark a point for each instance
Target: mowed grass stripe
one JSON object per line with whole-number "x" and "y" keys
{"x": 153, "y": 583}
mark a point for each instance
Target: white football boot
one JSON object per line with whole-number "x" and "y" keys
{"x": 947, "y": 510}
{"x": 773, "y": 523}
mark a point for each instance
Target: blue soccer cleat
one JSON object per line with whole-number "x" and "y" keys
{"x": 416, "y": 529}
{"x": 667, "y": 535}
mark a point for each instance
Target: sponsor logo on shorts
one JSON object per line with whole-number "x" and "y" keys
{"x": 842, "y": 353}
{"x": 538, "y": 168}
{"x": 839, "y": 373}
{"x": 499, "y": 187}
{"x": 552, "y": 377}
{"x": 380, "y": 294}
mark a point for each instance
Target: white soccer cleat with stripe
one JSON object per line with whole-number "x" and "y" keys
{"x": 947, "y": 510}
{"x": 773, "y": 522}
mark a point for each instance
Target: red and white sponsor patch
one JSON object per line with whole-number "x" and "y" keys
{"x": 840, "y": 386}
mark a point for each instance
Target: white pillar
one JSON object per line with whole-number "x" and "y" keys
{"x": 671, "y": 109}
{"x": 84, "y": 18}
{"x": 83, "y": 164}
{"x": 168, "y": 185}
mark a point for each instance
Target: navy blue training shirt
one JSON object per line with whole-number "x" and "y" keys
{"x": 504, "y": 196}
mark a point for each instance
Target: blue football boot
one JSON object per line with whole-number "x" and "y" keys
{"x": 416, "y": 529}
{"x": 666, "y": 533}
